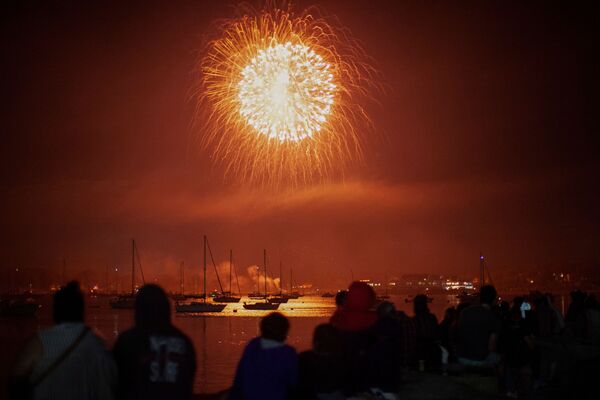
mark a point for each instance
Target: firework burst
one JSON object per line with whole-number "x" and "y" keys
{"x": 279, "y": 96}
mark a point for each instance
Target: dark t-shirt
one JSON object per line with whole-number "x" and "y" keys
{"x": 155, "y": 365}
{"x": 512, "y": 344}
{"x": 320, "y": 373}
{"x": 476, "y": 325}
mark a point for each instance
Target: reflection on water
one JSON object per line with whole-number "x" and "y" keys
{"x": 219, "y": 338}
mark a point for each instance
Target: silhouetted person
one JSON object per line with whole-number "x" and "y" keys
{"x": 155, "y": 360}
{"x": 385, "y": 357}
{"x": 340, "y": 298}
{"x": 592, "y": 321}
{"x": 355, "y": 321}
{"x": 408, "y": 340}
{"x": 515, "y": 345}
{"x": 575, "y": 317}
{"x": 445, "y": 334}
{"x": 322, "y": 369}
{"x": 426, "y": 328}
{"x": 268, "y": 369}
{"x": 66, "y": 361}
{"x": 478, "y": 329}
{"x": 547, "y": 323}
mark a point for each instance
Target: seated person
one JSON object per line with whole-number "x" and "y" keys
{"x": 477, "y": 334}
{"x": 268, "y": 369}
{"x": 322, "y": 370}
{"x": 355, "y": 322}
{"x": 155, "y": 359}
{"x": 427, "y": 346}
{"x": 66, "y": 360}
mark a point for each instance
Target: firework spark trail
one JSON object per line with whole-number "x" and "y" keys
{"x": 279, "y": 96}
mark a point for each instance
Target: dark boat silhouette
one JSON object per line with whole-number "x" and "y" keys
{"x": 228, "y": 297}
{"x": 261, "y": 306}
{"x": 128, "y": 301}
{"x": 200, "y": 306}
{"x": 278, "y": 299}
{"x": 18, "y": 308}
{"x": 265, "y": 304}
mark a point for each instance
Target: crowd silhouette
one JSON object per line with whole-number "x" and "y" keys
{"x": 361, "y": 353}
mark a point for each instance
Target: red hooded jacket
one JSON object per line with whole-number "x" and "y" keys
{"x": 356, "y": 314}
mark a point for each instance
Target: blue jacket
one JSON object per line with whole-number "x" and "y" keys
{"x": 265, "y": 372}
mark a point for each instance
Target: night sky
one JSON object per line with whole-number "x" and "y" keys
{"x": 487, "y": 141}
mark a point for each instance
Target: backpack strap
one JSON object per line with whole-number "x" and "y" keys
{"x": 61, "y": 358}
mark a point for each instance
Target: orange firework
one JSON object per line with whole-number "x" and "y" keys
{"x": 279, "y": 97}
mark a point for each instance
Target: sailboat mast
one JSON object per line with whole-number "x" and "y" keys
{"x": 132, "y": 267}
{"x": 230, "y": 267}
{"x": 181, "y": 277}
{"x": 481, "y": 270}
{"x": 237, "y": 280}
{"x": 265, "y": 262}
{"x": 204, "y": 284}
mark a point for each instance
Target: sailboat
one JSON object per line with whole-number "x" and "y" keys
{"x": 281, "y": 298}
{"x": 18, "y": 307}
{"x": 228, "y": 297}
{"x": 291, "y": 294}
{"x": 264, "y": 305}
{"x": 200, "y": 306}
{"x": 256, "y": 295}
{"x": 128, "y": 301}
{"x": 473, "y": 297}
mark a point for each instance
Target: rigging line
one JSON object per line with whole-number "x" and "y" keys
{"x": 236, "y": 278}
{"x": 137, "y": 256}
{"x": 214, "y": 265}
{"x": 486, "y": 268}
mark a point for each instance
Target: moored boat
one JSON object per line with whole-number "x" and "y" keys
{"x": 200, "y": 306}
{"x": 261, "y": 306}
{"x": 277, "y": 299}
{"x": 228, "y": 297}
{"x": 128, "y": 301}
{"x": 123, "y": 302}
{"x": 18, "y": 308}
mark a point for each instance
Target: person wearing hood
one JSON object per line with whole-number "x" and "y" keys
{"x": 355, "y": 321}
{"x": 155, "y": 360}
{"x": 356, "y": 313}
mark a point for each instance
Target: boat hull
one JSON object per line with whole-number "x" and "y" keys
{"x": 226, "y": 299}
{"x": 261, "y": 306}
{"x": 197, "y": 307}
{"x": 123, "y": 303}
{"x": 279, "y": 300}
{"x": 18, "y": 309}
